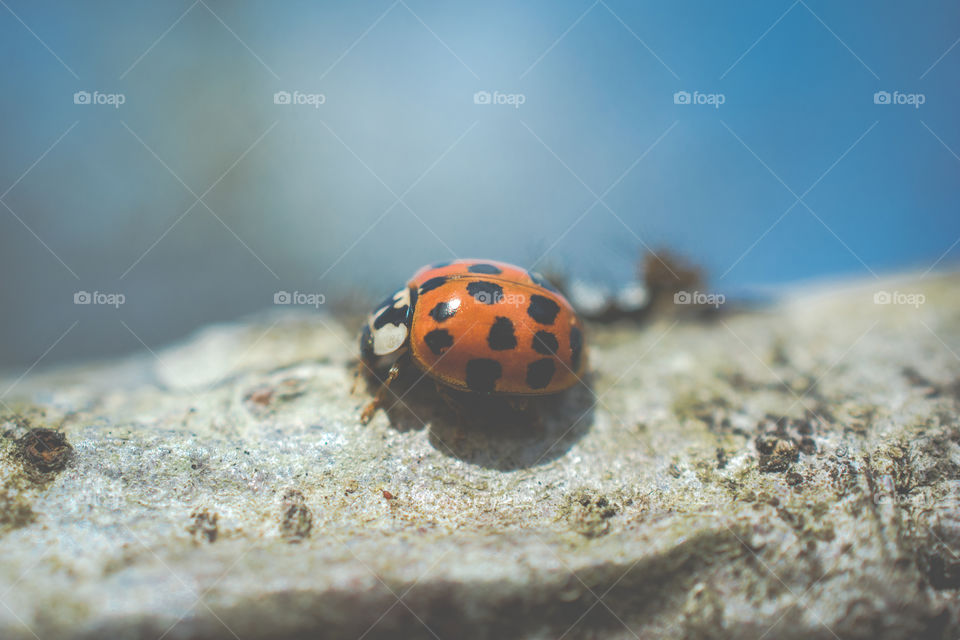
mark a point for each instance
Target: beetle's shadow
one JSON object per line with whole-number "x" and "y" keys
{"x": 490, "y": 432}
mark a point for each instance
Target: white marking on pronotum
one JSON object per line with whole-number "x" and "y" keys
{"x": 391, "y": 337}
{"x": 388, "y": 338}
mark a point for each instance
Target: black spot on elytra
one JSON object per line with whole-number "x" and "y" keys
{"x": 366, "y": 342}
{"x": 482, "y": 374}
{"x": 392, "y": 315}
{"x": 440, "y": 265}
{"x": 546, "y": 343}
{"x": 485, "y": 292}
{"x": 576, "y": 347}
{"x": 501, "y": 336}
{"x": 438, "y": 340}
{"x": 543, "y": 310}
{"x": 541, "y": 281}
{"x": 483, "y": 267}
{"x": 539, "y": 373}
{"x": 445, "y": 310}
{"x": 432, "y": 284}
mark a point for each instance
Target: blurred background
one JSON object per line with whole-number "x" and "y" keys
{"x": 180, "y": 163}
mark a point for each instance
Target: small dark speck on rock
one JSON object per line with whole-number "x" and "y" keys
{"x": 721, "y": 458}
{"x": 590, "y": 517}
{"x": 296, "y": 519}
{"x": 261, "y": 396}
{"x": 204, "y": 525}
{"x": 45, "y": 449}
{"x": 776, "y": 453}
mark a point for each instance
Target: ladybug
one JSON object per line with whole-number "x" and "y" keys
{"x": 476, "y": 327}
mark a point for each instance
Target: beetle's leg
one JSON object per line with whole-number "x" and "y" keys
{"x": 356, "y": 376}
{"x": 362, "y": 372}
{"x": 377, "y": 401}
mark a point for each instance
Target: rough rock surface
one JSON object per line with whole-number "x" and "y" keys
{"x": 791, "y": 473}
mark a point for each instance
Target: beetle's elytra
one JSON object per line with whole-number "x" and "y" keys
{"x": 478, "y": 326}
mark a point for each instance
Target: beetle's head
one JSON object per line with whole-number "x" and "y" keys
{"x": 385, "y": 334}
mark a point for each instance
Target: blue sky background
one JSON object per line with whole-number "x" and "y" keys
{"x": 301, "y": 197}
